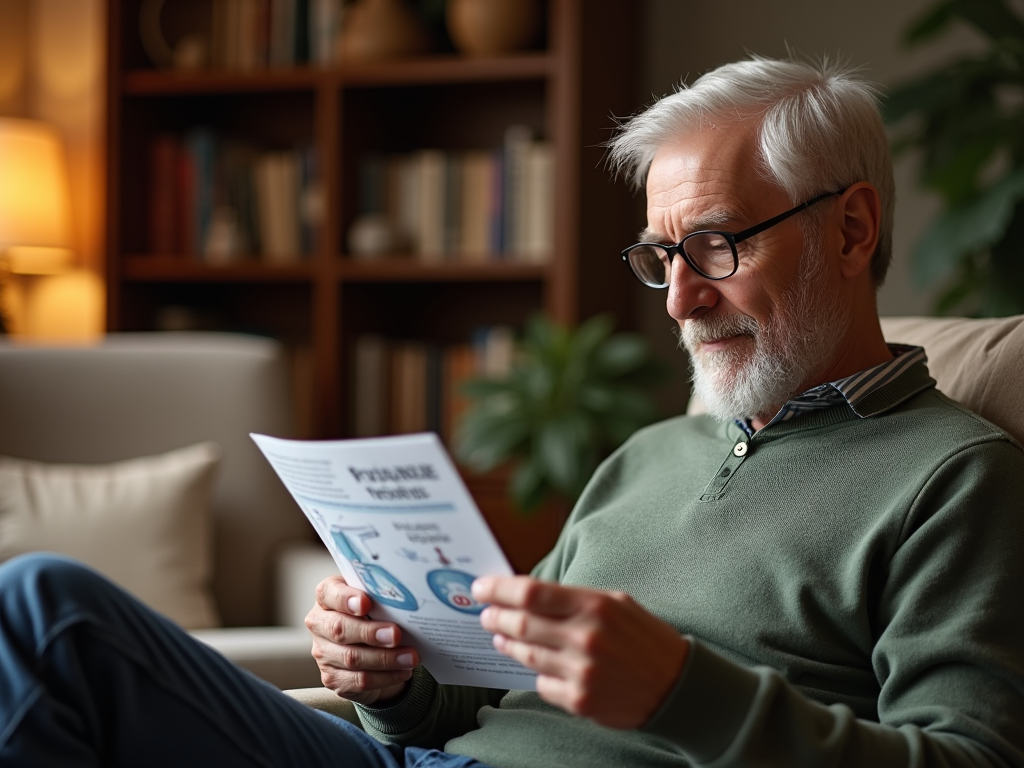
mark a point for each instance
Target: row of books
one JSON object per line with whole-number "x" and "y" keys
{"x": 255, "y": 34}
{"x": 401, "y": 386}
{"x": 221, "y": 201}
{"x": 467, "y": 206}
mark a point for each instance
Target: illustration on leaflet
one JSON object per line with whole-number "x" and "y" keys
{"x": 378, "y": 581}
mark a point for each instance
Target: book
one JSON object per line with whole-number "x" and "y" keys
{"x": 401, "y": 525}
{"x": 458, "y": 365}
{"x": 200, "y": 146}
{"x": 430, "y": 167}
{"x": 277, "y": 192}
{"x": 370, "y": 385}
{"x": 408, "y": 387}
{"x": 538, "y": 201}
{"x": 163, "y": 215}
{"x": 516, "y": 146}
{"x": 477, "y": 169}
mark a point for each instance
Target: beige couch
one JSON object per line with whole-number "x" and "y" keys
{"x": 226, "y": 548}
{"x": 980, "y": 363}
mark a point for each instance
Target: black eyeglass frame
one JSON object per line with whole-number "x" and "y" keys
{"x": 730, "y": 237}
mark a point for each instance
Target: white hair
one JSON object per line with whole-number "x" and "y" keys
{"x": 820, "y": 130}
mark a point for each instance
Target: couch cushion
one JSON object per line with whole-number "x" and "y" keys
{"x": 144, "y": 523}
{"x": 140, "y": 394}
{"x": 978, "y": 363}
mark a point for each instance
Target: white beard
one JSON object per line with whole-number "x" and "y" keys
{"x": 799, "y": 341}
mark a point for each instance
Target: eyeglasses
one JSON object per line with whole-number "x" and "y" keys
{"x": 710, "y": 253}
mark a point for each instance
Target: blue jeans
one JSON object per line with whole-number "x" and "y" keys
{"x": 89, "y": 676}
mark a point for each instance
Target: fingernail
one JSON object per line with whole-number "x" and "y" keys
{"x": 477, "y": 587}
{"x": 385, "y": 636}
{"x": 404, "y": 660}
{"x": 354, "y": 604}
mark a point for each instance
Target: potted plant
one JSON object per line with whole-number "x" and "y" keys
{"x": 967, "y": 118}
{"x": 571, "y": 396}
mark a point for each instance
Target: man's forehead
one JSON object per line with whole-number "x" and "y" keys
{"x": 705, "y": 179}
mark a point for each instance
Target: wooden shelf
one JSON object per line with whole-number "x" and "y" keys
{"x": 407, "y": 270}
{"x": 402, "y": 72}
{"x": 449, "y": 69}
{"x": 182, "y": 269}
{"x": 153, "y": 82}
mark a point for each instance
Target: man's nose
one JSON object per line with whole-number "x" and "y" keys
{"x": 690, "y": 295}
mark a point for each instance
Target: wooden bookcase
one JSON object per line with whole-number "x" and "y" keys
{"x": 566, "y": 92}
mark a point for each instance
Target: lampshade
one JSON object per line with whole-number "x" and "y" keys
{"x": 35, "y": 215}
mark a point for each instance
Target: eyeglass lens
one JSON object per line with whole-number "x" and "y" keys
{"x": 708, "y": 252}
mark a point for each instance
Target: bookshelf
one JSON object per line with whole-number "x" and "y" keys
{"x": 323, "y": 301}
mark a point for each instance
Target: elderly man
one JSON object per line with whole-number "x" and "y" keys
{"x": 820, "y": 571}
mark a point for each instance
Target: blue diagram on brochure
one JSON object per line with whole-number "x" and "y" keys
{"x": 379, "y": 582}
{"x": 453, "y": 589}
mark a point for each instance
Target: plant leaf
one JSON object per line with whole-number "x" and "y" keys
{"x": 1004, "y": 289}
{"x": 924, "y": 95}
{"x": 562, "y": 447}
{"x": 527, "y": 485}
{"x": 485, "y": 440}
{"x": 932, "y": 22}
{"x": 966, "y": 229}
{"x": 621, "y": 355}
{"x": 993, "y": 18}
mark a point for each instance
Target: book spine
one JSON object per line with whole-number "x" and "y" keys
{"x": 185, "y": 205}
{"x": 430, "y": 165}
{"x": 200, "y": 145}
{"x": 517, "y": 141}
{"x": 163, "y": 218}
{"x": 370, "y": 386}
{"x": 538, "y": 208}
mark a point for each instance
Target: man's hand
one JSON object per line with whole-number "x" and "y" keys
{"x": 359, "y": 659}
{"x": 599, "y": 654}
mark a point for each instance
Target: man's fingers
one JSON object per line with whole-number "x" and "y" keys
{"x": 526, "y": 593}
{"x": 522, "y": 625}
{"x": 363, "y": 657}
{"x": 539, "y": 658}
{"x": 341, "y": 628}
{"x": 334, "y": 594}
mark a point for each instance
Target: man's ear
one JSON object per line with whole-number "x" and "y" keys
{"x": 859, "y": 214}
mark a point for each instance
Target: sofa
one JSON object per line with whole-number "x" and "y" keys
{"x": 134, "y": 455}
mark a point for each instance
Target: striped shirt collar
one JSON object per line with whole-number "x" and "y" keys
{"x": 852, "y": 390}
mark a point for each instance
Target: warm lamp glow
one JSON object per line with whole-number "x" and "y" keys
{"x": 35, "y": 204}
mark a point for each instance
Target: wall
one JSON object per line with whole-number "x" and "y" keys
{"x": 683, "y": 38}
{"x": 51, "y": 69}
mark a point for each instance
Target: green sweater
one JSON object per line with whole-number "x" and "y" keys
{"x": 851, "y": 586}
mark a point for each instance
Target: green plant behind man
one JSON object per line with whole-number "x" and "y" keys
{"x": 571, "y": 397}
{"x": 967, "y": 118}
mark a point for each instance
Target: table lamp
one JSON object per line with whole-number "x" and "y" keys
{"x": 35, "y": 203}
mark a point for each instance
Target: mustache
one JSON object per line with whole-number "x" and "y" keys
{"x": 709, "y": 328}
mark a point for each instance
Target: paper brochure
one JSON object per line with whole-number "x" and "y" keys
{"x": 402, "y": 526}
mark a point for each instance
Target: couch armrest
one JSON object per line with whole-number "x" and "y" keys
{"x": 326, "y": 701}
{"x": 300, "y": 567}
{"x": 279, "y": 655}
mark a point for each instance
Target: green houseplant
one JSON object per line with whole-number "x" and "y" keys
{"x": 967, "y": 119}
{"x": 572, "y": 396}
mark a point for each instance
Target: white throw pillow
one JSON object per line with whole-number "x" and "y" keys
{"x": 144, "y": 523}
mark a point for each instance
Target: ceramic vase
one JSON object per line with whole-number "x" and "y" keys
{"x": 492, "y": 27}
{"x": 382, "y": 29}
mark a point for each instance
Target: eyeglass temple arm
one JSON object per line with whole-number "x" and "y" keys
{"x": 759, "y": 228}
